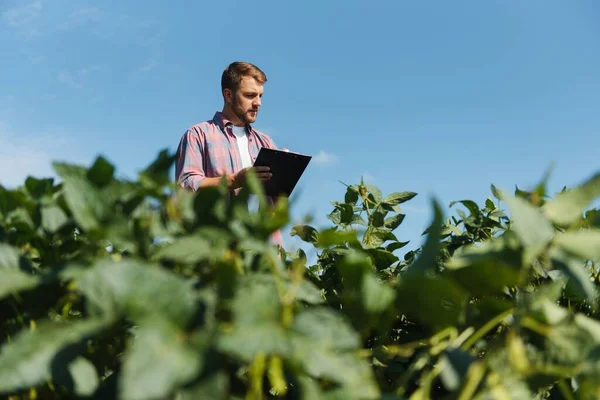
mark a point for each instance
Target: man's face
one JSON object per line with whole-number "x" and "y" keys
{"x": 247, "y": 99}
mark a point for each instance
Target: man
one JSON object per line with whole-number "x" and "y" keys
{"x": 227, "y": 145}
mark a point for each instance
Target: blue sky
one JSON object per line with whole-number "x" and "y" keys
{"x": 440, "y": 98}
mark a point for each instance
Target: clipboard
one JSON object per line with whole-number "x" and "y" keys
{"x": 286, "y": 168}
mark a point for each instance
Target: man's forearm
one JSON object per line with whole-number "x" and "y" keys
{"x": 195, "y": 182}
{"x": 216, "y": 181}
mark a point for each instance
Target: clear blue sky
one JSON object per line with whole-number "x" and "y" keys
{"x": 441, "y": 98}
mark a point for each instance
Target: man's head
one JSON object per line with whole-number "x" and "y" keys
{"x": 242, "y": 88}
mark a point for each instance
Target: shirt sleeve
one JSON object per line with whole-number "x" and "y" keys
{"x": 189, "y": 171}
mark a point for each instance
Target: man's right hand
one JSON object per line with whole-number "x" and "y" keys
{"x": 262, "y": 173}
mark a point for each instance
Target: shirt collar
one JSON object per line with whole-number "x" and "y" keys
{"x": 222, "y": 122}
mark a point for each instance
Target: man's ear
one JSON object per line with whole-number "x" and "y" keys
{"x": 227, "y": 95}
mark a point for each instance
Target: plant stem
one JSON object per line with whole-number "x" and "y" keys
{"x": 474, "y": 376}
{"x": 535, "y": 326}
{"x": 488, "y": 326}
{"x": 564, "y": 390}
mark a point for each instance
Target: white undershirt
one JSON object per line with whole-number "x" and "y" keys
{"x": 242, "y": 142}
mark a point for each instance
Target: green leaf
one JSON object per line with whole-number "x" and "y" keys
{"x": 137, "y": 290}
{"x": 358, "y": 220}
{"x": 214, "y": 386}
{"x": 257, "y": 300}
{"x": 245, "y": 342}
{"x": 567, "y": 207}
{"x": 209, "y": 205}
{"x": 376, "y": 237}
{"x": 15, "y": 281}
{"x": 101, "y": 173}
{"x": 85, "y": 376}
{"x": 396, "y": 246}
{"x": 432, "y": 301}
{"x": 38, "y": 188}
{"x": 375, "y": 193}
{"x": 376, "y": 296}
{"x": 352, "y": 267}
{"x": 522, "y": 194}
{"x": 456, "y": 365}
{"x": 83, "y": 199}
{"x": 80, "y": 377}
{"x": 343, "y": 214}
{"x": 394, "y": 222}
{"x": 574, "y": 269}
{"x": 462, "y": 215}
{"x": 472, "y": 266}
{"x": 398, "y": 198}
{"x": 53, "y": 218}
{"x": 307, "y": 292}
{"x": 334, "y": 237}
{"x": 495, "y": 192}
{"x": 256, "y": 313}
{"x": 590, "y": 325}
{"x": 382, "y": 258}
{"x": 14, "y": 268}
{"x": 542, "y": 306}
{"x": 584, "y": 244}
{"x": 335, "y": 216}
{"x": 351, "y": 196}
{"x": 449, "y": 229}
{"x": 352, "y": 373}
{"x": 11, "y": 258}
{"x": 158, "y": 171}
{"x": 187, "y": 249}
{"x": 20, "y": 219}
{"x": 256, "y": 316}
{"x": 568, "y": 338}
{"x": 567, "y": 344}
{"x": 308, "y": 388}
{"x": 377, "y": 219}
{"x": 119, "y": 234}
{"x": 159, "y": 362}
{"x": 325, "y": 346}
{"x": 7, "y": 201}
{"x": 471, "y": 206}
{"x": 593, "y": 218}
{"x": 27, "y": 360}
{"x": 253, "y": 186}
{"x": 305, "y": 232}
{"x": 530, "y": 225}
{"x": 427, "y": 261}
{"x": 326, "y": 329}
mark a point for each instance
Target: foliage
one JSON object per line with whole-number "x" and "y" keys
{"x": 135, "y": 289}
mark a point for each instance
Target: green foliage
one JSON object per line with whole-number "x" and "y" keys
{"x": 137, "y": 289}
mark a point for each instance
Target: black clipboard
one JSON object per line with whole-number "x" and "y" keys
{"x": 287, "y": 167}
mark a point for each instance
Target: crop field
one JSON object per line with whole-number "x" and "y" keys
{"x": 135, "y": 289}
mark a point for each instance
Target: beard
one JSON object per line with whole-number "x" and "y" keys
{"x": 244, "y": 115}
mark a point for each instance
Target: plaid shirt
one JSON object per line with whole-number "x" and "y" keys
{"x": 209, "y": 149}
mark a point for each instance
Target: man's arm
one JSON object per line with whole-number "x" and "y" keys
{"x": 189, "y": 171}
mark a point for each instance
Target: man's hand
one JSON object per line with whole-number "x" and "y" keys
{"x": 262, "y": 173}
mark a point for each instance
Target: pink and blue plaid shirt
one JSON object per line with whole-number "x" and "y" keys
{"x": 209, "y": 149}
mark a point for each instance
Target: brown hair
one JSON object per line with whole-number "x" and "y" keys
{"x": 232, "y": 75}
